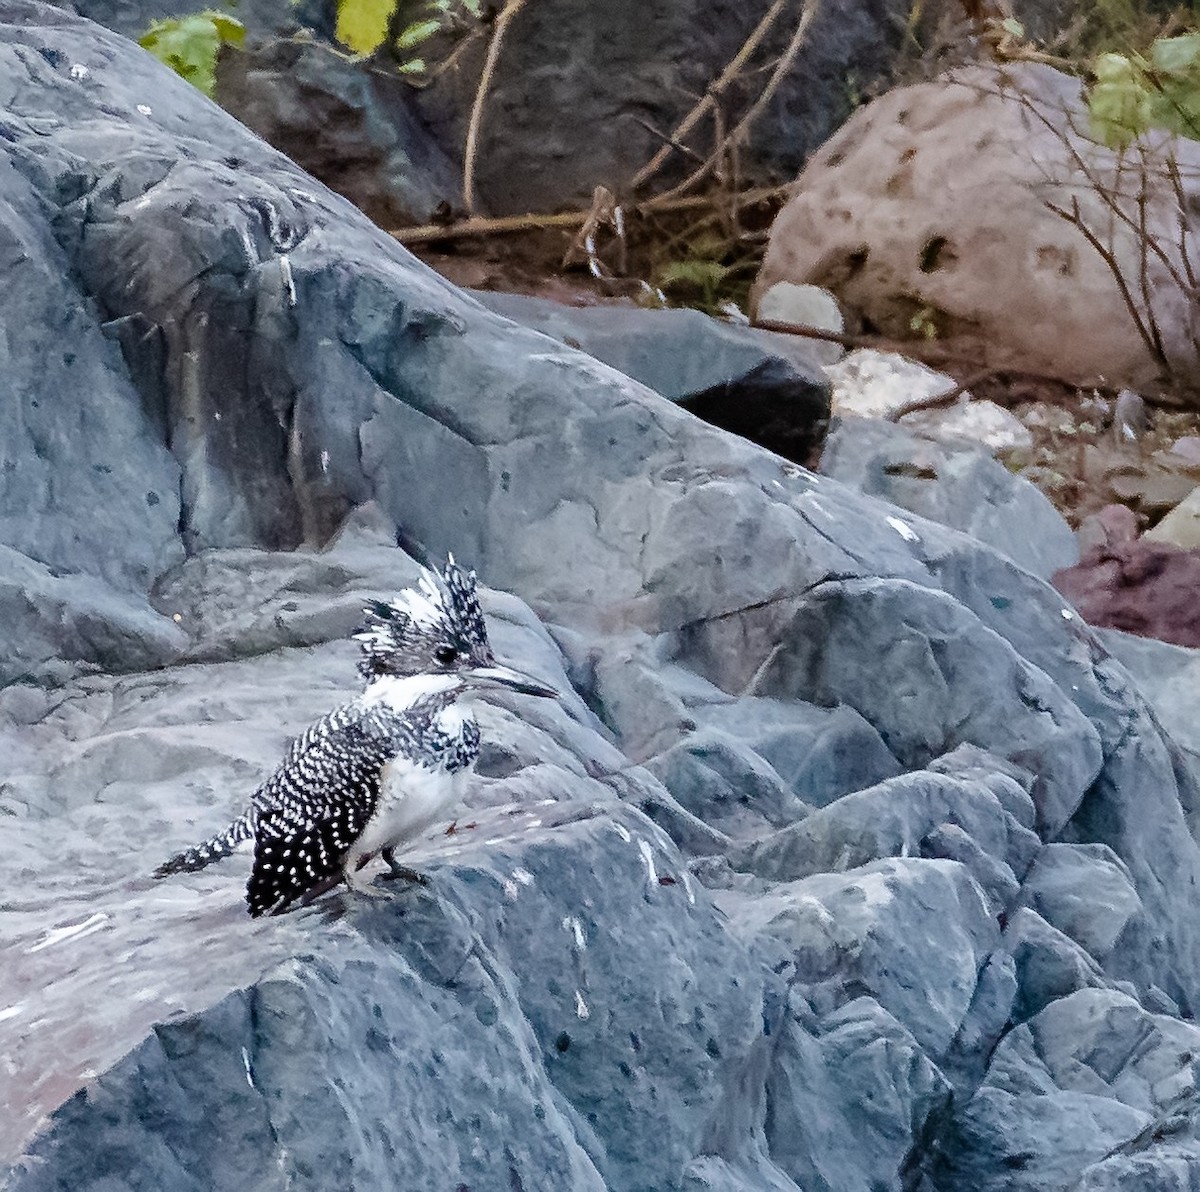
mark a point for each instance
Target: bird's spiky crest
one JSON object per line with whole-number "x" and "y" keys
{"x": 403, "y": 636}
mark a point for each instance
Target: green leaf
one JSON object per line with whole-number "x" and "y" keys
{"x": 1119, "y": 112}
{"x": 413, "y": 66}
{"x": 1176, "y": 55}
{"x": 189, "y": 45}
{"x": 1012, "y": 26}
{"x": 362, "y": 24}
{"x": 230, "y": 30}
{"x": 1113, "y": 68}
{"x": 416, "y": 33}
{"x": 693, "y": 272}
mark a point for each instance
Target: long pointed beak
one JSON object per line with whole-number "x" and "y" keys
{"x": 508, "y": 679}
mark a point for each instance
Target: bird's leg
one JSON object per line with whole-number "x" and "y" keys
{"x": 397, "y": 871}
{"x": 354, "y": 884}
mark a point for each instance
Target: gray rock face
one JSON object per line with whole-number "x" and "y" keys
{"x": 1168, "y": 676}
{"x": 955, "y": 484}
{"x": 848, "y": 857}
{"x": 766, "y": 387}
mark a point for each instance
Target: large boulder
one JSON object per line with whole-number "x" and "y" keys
{"x": 824, "y": 917}
{"x": 937, "y": 203}
{"x": 583, "y": 94}
{"x": 767, "y": 387}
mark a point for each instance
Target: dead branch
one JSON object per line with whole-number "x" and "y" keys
{"x": 715, "y": 90}
{"x": 742, "y": 128}
{"x": 504, "y": 224}
{"x": 1074, "y": 218}
{"x": 510, "y": 10}
{"x": 686, "y": 150}
{"x": 946, "y": 398}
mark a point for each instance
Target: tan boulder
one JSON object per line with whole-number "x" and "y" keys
{"x": 930, "y": 214}
{"x": 1181, "y": 526}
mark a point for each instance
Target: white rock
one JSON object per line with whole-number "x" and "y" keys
{"x": 1182, "y": 525}
{"x": 980, "y": 422}
{"x": 805, "y": 306}
{"x": 872, "y": 384}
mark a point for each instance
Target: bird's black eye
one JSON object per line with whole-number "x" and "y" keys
{"x": 445, "y": 654}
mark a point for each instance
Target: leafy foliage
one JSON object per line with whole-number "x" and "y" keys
{"x": 189, "y": 45}
{"x": 1133, "y": 93}
{"x": 714, "y": 272}
{"x": 363, "y": 26}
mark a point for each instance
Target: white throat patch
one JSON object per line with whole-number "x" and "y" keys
{"x": 401, "y": 692}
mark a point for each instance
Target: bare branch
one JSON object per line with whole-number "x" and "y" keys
{"x": 742, "y": 128}
{"x": 499, "y": 225}
{"x": 715, "y": 91}
{"x": 510, "y": 10}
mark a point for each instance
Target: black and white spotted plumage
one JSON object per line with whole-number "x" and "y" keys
{"x": 329, "y": 792}
{"x": 215, "y": 848}
{"x": 377, "y": 771}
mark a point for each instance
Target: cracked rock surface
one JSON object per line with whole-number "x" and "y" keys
{"x": 849, "y": 857}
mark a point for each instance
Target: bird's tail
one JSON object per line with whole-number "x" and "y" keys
{"x": 213, "y": 849}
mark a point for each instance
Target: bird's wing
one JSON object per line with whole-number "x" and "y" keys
{"x": 311, "y": 810}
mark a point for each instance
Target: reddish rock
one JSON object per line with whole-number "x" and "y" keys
{"x": 1107, "y": 527}
{"x": 1143, "y": 587}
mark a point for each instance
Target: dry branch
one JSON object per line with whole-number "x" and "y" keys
{"x": 742, "y": 128}
{"x": 531, "y": 222}
{"x": 715, "y": 90}
{"x": 510, "y": 10}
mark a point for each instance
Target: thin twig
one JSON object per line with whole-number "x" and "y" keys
{"x": 1144, "y": 267}
{"x": 765, "y": 96}
{"x": 662, "y": 136}
{"x": 1184, "y": 227}
{"x": 946, "y": 398}
{"x": 716, "y": 88}
{"x": 510, "y": 10}
{"x": 1076, "y": 220}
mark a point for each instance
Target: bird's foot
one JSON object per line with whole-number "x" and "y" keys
{"x": 398, "y": 873}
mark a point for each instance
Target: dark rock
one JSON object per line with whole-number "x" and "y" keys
{"x": 1168, "y": 1168}
{"x": 596, "y": 75}
{"x": 1142, "y": 587}
{"x": 825, "y": 1070}
{"x": 132, "y": 18}
{"x": 1092, "y": 1074}
{"x": 866, "y": 929}
{"x": 955, "y": 484}
{"x": 821, "y": 754}
{"x": 1070, "y": 882}
{"x": 901, "y": 817}
{"x": 1048, "y": 964}
{"x": 351, "y": 125}
{"x": 766, "y": 387}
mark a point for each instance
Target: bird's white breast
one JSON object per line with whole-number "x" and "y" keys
{"x": 413, "y": 797}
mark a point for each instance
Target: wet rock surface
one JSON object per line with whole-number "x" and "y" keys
{"x": 848, "y": 858}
